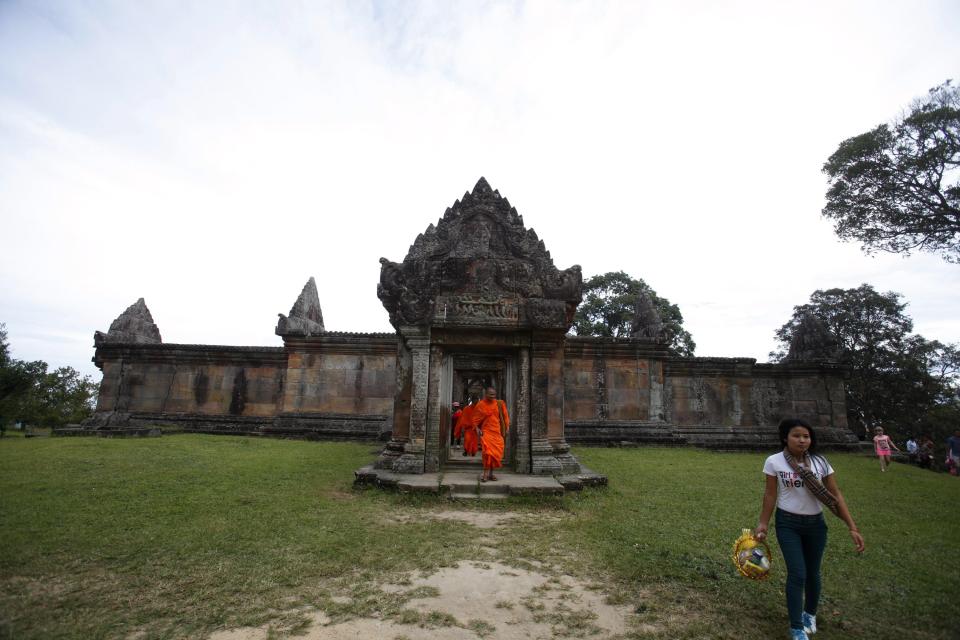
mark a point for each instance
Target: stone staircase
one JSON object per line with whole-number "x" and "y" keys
{"x": 459, "y": 484}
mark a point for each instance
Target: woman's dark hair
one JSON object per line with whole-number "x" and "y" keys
{"x": 789, "y": 423}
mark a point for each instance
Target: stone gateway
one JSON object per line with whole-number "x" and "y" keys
{"x": 476, "y": 302}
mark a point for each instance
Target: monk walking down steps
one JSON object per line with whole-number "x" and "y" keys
{"x": 467, "y": 430}
{"x": 491, "y": 419}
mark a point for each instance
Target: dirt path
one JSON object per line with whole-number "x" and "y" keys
{"x": 476, "y": 600}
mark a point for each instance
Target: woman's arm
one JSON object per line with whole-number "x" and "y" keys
{"x": 766, "y": 508}
{"x": 830, "y": 482}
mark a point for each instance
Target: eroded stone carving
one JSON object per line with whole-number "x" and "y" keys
{"x": 812, "y": 340}
{"x": 133, "y": 326}
{"x": 306, "y": 318}
{"x": 646, "y": 319}
{"x": 479, "y": 266}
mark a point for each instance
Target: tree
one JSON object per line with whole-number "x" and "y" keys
{"x": 608, "y": 308}
{"x": 15, "y": 380}
{"x": 32, "y": 394}
{"x": 896, "y": 377}
{"x": 897, "y": 188}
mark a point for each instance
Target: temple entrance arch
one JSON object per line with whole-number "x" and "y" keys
{"x": 479, "y": 286}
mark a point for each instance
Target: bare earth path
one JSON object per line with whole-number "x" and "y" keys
{"x": 474, "y": 599}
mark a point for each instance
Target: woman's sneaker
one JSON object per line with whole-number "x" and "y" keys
{"x": 809, "y": 623}
{"x": 798, "y": 634}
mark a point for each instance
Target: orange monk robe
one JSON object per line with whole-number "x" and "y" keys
{"x": 486, "y": 416}
{"x": 466, "y": 427}
{"x": 454, "y": 420}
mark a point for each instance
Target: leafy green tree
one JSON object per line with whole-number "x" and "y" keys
{"x": 32, "y": 394}
{"x": 608, "y": 307}
{"x": 896, "y": 188}
{"x": 896, "y": 377}
{"x": 15, "y": 380}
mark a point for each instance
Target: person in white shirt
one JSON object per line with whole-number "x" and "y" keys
{"x": 912, "y": 450}
{"x": 798, "y": 480}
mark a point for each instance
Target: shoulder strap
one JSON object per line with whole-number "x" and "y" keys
{"x": 814, "y": 485}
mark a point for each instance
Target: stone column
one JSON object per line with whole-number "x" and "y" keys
{"x": 401, "y": 408}
{"x": 434, "y": 411}
{"x": 418, "y": 342}
{"x": 550, "y": 453}
{"x": 521, "y": 417}
{"x": 655, "y": 375}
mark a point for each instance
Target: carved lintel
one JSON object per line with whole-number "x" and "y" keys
{"x": 472, "y": 310}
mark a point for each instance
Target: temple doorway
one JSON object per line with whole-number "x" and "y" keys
{"x": 469, "y": 379}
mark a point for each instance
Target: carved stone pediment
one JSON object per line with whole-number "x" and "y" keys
{"x": 479, "y": 266}
{"x": 133, "y": 326}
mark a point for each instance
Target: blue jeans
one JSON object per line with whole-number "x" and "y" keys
{"x": 802, "y": 540}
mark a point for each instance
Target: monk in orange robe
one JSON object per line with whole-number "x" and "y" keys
{"x": 468, "y": 430}
{"x": 454, "y": 432}
{"x": 491, "y": 418}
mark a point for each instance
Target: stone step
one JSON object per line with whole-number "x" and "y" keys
{"x": 460, "y": 482}
{"x": 495, "y": 488}
{"x": 479, "y": 496}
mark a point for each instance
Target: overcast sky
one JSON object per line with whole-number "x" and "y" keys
{"x": 212, "y": 156}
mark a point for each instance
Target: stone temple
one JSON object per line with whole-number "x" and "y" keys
{"x": 477, "y": 300}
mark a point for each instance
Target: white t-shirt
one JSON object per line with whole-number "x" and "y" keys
{"x": 792, "y": 496}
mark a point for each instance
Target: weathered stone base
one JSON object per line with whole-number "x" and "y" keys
{"x": 390, "y": 454}
{"x": 315, "y": 426}
{"x": 718, "y": 437}
{"x": 585, "y": 478}
{"x": 129, "y": 432}
{"x": 607, "y": 431}
{"x": 71, "y": 430}
{"x": 327, "y": 426}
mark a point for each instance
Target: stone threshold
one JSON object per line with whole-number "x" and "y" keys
{"x": 466, "y": 485}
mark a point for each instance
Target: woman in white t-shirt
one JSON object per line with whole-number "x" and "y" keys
{"x": 801, "y": 529}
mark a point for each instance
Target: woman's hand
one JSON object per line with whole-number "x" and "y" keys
{"x": 857, "y": 540}
{"x": 760, "y": 533}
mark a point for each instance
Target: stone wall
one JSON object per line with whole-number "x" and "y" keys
{"x": 624, "y": 390}
{"x": 342, "y": 385}
{"x": 329, "y": 386}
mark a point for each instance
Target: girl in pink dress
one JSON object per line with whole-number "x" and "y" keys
{"x": 882, "y": 445}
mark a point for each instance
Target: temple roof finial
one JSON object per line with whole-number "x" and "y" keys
{"x": 306, "y": 318}
{"x": 133, "y": 326}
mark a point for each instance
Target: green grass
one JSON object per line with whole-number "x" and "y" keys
{"x": 178, "y": 536}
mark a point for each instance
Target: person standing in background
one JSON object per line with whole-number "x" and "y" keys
{"x": 882, "y": 445}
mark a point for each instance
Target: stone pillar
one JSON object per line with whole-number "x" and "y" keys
{"x": 401, "y": 408}
{"x": 521, "y": 417}
{"x": 549, "y": 450}
{"x": 434, "y": 411}
{"x": 418, "y": 342}
{"x": 655, "y": 375}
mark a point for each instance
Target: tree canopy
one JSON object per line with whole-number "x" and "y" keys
{"x": 897, "y": 377}
{"x": 896, "y": 188}
{"x": 608, "y": 308}
{"x": 30, "y": 393}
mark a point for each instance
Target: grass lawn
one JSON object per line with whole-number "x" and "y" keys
{"x": 181, "y": 535}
